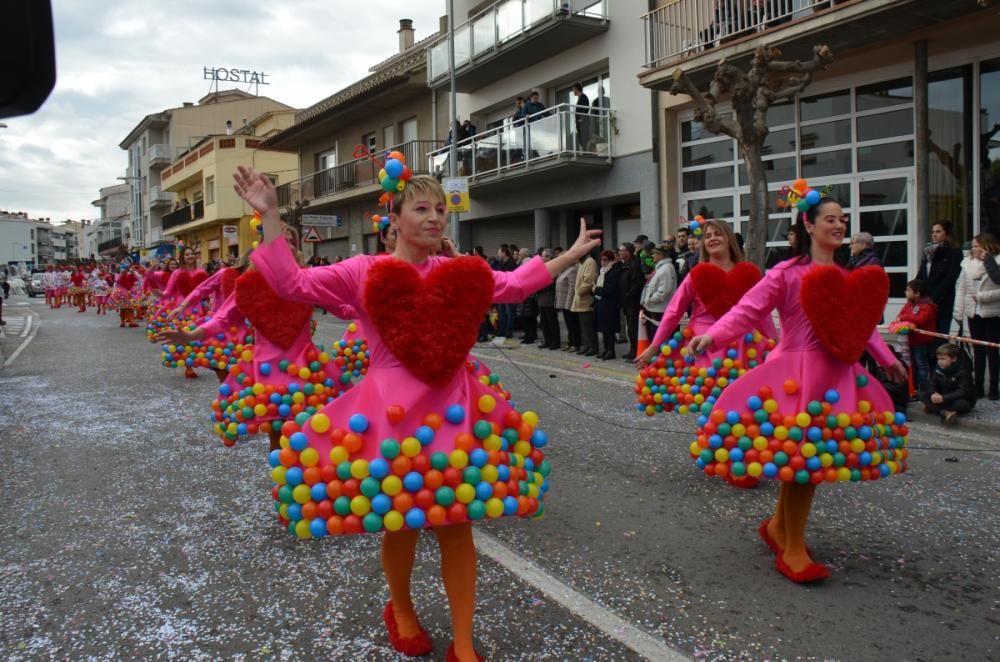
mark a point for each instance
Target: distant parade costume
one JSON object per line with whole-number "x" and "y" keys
{"x": 99, "y": 286}
{"x": 681, "y": 380}
{"x": 125, "y": 297}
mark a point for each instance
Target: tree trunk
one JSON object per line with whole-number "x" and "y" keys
{"x": 756, "y": 237}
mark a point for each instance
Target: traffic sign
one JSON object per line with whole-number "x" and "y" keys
{"x": 456, "y": 193}
{"x": 311, "y": 236}
{"x": 322, "y": 220}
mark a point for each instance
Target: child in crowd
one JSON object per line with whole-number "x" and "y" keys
{"x": 951, "y": 391}
{"x": 922, "y": 313}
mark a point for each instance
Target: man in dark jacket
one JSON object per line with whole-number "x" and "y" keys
{"x": 551, "y": 334}
{"x": 632, "y": 281}
{"x": 534, "y": 106}
{"x": 951, "y": 390}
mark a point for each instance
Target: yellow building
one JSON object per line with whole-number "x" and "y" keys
{"x": 209, "y": 214}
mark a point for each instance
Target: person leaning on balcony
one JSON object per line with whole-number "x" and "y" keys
{"x": 582, "y": 117}
{"x": 583, "y": 304}
{"x": 533, "y": 107}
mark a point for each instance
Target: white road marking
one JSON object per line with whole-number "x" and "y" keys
{"x": 643, "y": 643}
{"x": 20, "y": 349}
{"x": 27, "y": 327}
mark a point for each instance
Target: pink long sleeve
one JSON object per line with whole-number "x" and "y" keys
{"x": 680, "y": 303}
{"x": 227, "y": 315}
{"x": 755, "y": 306}
{"x": 171, "y": 288}
{"x": 515, "y": 286}
{"x": 209, "y": 287}
{"x": 335, "y": 285}
{"x": 879, "y": 350}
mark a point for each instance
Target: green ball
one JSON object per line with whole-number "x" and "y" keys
{"x": 439, "y": 461}
{"x": 444, "y": 496}
{"x": 814, "y": 408}
{"x": 544, "y": 468}
{"x": 342, "y": 506}
{"x": 370, "y": 487}
{"x": 801, "y": 476}
{"x": 471, "y": 475}
{"x": 390, "y": 450}
{"x": 482, "y": 429}
{"x": 738, "y": 469}
{"x": 344, "y": 470}
{"x": 285, "y": 494}
{"x": 510, "y": 434}
{"x": 477, "y": 510}
{"x": 372, "y": 522}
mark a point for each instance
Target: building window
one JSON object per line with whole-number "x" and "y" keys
{"x": 327, "y": 160}
{"x": 210, "y": 190}
{"x": 369, "y": 141}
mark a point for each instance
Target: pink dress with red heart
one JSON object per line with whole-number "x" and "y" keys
{"x": 688, "y": 382}
{"x": 179, "y": 285}
{"x": 811, "y": 413}
{"x": 281, "y": 374}
{"x": 425, "y": 439}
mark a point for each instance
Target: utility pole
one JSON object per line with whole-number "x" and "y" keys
{"x": 453, "y": 113}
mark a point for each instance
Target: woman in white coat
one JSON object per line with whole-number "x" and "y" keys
{"x": 977, "y": 303}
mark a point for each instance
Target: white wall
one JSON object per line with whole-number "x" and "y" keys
{"x": 15, "y": 242}
{"x": 621, "y": 46}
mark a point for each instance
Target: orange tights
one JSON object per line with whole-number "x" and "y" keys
{"x": 458, "y": 570}
{"x": 788, "y": 524}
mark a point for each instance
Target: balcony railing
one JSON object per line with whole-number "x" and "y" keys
{"x": 685, "y": 27}
{"x": 184, "y": 215}
{"x": 159, "y": 155}
{"x": 351, "y": 175}
{"x": 159, "y": 197}
{"x": 563, "y": 132}
{"x": 109, "y": 244}
{"x": 501, "y": 22}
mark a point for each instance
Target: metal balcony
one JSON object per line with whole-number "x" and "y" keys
{"x": 159, "y": 197}
{"x": 159, "y": 156}
{"x": 353, "y": 175}
{"x": 511, "y": 35}
{"x": 557, "y": 142}
{"x": 184, "y": 215}
{"x": 109, "y": 245}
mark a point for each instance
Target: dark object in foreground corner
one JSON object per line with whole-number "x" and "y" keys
{"x": 27, "y": 56}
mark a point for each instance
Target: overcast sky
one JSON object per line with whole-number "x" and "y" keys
{"x": 118, "y": 61}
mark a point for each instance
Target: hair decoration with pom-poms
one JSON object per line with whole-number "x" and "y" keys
{"x": 257, "y": 225}
{"x": 380, "y": 223}
{"x": 694, "y": 226}
{"x": 800, "y": 197}
{"x": 392, "y": 175}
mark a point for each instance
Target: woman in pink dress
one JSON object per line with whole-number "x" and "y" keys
{"x": 673, "y": 377}
{"x": 420, "y": 442}
{"x": 811, "y": 413}
{"x": 182, "y": 281}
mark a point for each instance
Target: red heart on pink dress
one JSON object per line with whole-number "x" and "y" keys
{"x": 844, "y": 307}
{"x": 720, "y": 290}
{"x": 276, "y": 319}
{"x": 431, "y": 323}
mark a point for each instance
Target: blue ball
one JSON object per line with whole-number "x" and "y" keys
{"x": 413, "y": 481}
{"x": 770, "y": 470}
{"x": 424, "y": 434}
{"x": 509, "y": 505}
{"x": 813, "y": 197}
{"x": 814, "y": 463}
{"x": 265, "y": 368}
{"x": 378, "y": 468}
{"x": 865, "y": 459}
{"x": 381, "y": 504}
{"x": 478, "y": 457}
{"x": 736, "y": 455}
{"x": 415, "y": 519}
{"x": 318, "y": 492}
{"x": 715, "y": 441}
{"x": 455, "y": 414}
{"x": 832, "y": 396}
{"x": 241, "y": 429}
{"x": 298, "y": 441}
{"x": 272, "y": 458}
{"x": 358, "y": 423}
{"x": 754, "y": 403}
{"x": 294, "y": 512}
{"x": 503, "y": 472}
{"x": 394, "y": 168}
{"x": 284, "y": 410}
{"x": 733, "y": 417}
{"x": 539, "y": 438}
{"x": 293, "y": 476}
{"x": 225, "y": 389}
{"x": 317, "y": 527}
{"x": 484, "y": 490}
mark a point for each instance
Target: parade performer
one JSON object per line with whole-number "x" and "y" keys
{"x": 182, "y": 281}
{"x": 98, "y": 284}
{"x": 810, "y": 413}
{"x": 125, "y": 295}
{"x": 678, "y": 378}
{"x": 78, "y": 289}
{"x": 420, "y": 442}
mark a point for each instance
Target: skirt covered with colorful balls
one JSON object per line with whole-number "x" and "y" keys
{"x": 681, "y": 380}
{"x": 394, "y": 454}
{"x": 803, "y": 417}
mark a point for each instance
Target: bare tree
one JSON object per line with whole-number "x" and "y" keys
{"x": 751, "y": 93}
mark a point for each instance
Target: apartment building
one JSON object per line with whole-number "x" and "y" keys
{"x": 71, "y": 234}
{"x": 208, "y": 214}
{"x": 159, "y": 138}
{"x": 18, "y": 239}
{"x": 899, "y": 66}
{"x": 532, "y": 178}
{"x": 111, "y": 233}
{"x": 390, "y": 109}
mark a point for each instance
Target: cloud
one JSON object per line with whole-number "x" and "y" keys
{"x": 119, "y": 61}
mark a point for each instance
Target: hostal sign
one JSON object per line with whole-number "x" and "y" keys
{"x": 234, "y": 75}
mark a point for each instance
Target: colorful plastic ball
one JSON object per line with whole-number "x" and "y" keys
{"x": 298, "y": 442}
{"x": 293, "y": 476}
{"x": 378, "y": 468}
{"x": 455, "y": 414}
{"x": 358, "y": 423}
{"x": 389, "y": 184}
{"x": 424, "y": 435}
{"x": 415, "y": 518}
{"x": 393, "y": 168}
{"x": 372, "y": 523}
{"x": 813, "y": 197}
{"x": 413, "y": 481}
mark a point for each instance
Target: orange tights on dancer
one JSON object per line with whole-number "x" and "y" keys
{"x": 458, "y": 570}
{"x": 125, "y": 315}
{"x": 788, "y": 525}
{"x": 275, "y": 437}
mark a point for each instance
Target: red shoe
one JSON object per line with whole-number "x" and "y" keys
{"x": 744, "y": 482}
{"x": 766, "y": 537}
{"x": 813, "y": 572}
{"x": 122, "y": 325}
{"x": 454, "y": 658}
{"x": 133, "y": 326}
{"x": 415, "y": 646}
{"x": 190, "y": 374}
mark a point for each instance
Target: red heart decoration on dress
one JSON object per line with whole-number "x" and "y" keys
{"x": 197, "y": 278}
{"x": 721, "y": 290}
{"x": 228, "y": 283}
{"x": 182, "y": 283}
{"x": 126, "y": 281}
{"x": 277, "y": 319}
{"x": 844, "y": 307}
{"x": 431, "y": 323}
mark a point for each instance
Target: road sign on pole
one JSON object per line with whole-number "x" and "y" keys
{"x": 322, "y": 220}
{"x": 456, "y": 193}
{"x": 311, "y": 236}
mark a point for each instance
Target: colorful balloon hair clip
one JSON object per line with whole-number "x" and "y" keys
{"x": 257, "y": 225}
{"x": 694, "y": 226}
{"x": 380, "y": 223}
{"x": 392, "y": 175}
{"x": 800, "y": 197}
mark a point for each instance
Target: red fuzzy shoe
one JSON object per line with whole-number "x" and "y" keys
{"x": 415, "y": 646}
{"x": 190, "y": 374}
{"x": 813, "y": 572}
{"x": 766, "y": 537}
{"x": 454, "y": 658}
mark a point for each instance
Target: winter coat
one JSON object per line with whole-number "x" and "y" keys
{"x": 923, "y": 315}
{"x": 953, "y": 383}
{"x": 865, "y": 258}
{"x": 656, "y": 295}
{"x": 583, "y": 295}
{"x": 976, "y": 293}
{"x": 547, "y": 296}
{"x": 565, "y": 284}
{"x": 608, "y": 299}
{"x": 631, "y": 283}
{"x": 940, "y": 274}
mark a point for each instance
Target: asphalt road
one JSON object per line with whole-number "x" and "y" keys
{"x": 128, "y": 531}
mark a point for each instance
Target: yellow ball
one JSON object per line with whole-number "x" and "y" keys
{"x": 781, "y": 433}
{"x": 754, "y": 469}
{"x": 338, "y": 454}
{"x": 770, "y": 406}
{"x": 533, "y": 491}
{"x": 258, "y": 388}
{"x": 487, "y": 403}
{"x": 298, "y": 398}
{"x": 359, "y": 469}
{"x": 458, "y": 459}
{"x": 324, "y": 357}
{"x": 304, "y": 373}
{"x": 392, "y": 485}
{"x": 494, "y": 507}
{"x": 302, "y": 529}
{"x": 410, "y": 447}
{"x": 864, "y": 406}
{"x": 320, "y": 423}
{"x": 283, "y": 442}
{"x": 739, "y": 430}
{"x": 352, "y": 327}
{"x": 493, "y": 443}
{"x": 808, "y": 450}
{"x": 247, "y": 355}
{"x": 260, "y": 410}
{"x": 530, "y": 417}
{"x": 760, "y": 443}
{"x": 360, "y": 505}
{"x": 843, "y": 474}
{"x": 694, "y": 449}
{"x": 522, "y": 448}
{"x": 826, "y": 460}
{"x": 301, "y": 493}
{"x": 393, "y": 520}
{"x": 465, "y": 493}
{"x": 283, "y": 510}
{"x": 489, "y": 473}
{"x": 721, "y": 455}
{"x": 857, "y": 446}
{"x": 803, "y": 420}
{"x": 309, "y": 457}
{"x": 278, "y": 474}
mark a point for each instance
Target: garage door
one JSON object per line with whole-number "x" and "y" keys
{"x": 491, "y": 233}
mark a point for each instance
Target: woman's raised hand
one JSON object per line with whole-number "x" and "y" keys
{"x": 585, "y": 242}
{"x": 256, "y": 188}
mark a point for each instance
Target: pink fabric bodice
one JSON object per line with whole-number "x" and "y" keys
{"x": 780, "y": 289}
